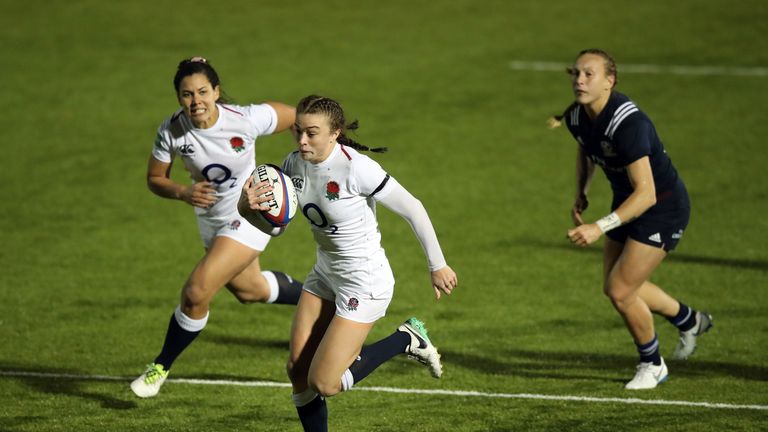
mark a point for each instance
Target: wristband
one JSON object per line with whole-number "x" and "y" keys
{"x": 609, "y": 222}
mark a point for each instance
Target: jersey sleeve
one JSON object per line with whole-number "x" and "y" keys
{"x": 263, "y": 117}
{"x": 633, "y": 139}
{"x": 570, "y": 118}
{"x": 412, "y": 210}
{"x": 369, "y": 178}
{"x": 161, "y": 150}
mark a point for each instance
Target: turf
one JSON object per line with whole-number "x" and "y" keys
{"x": 91, "y": 262}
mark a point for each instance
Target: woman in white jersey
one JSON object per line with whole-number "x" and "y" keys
{"x": 216, "y": 142}
{"x": 351, "y": 284}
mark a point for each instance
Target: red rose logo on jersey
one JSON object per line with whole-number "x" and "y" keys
{"x": 352, "y": 304}
{"x": 237, "y": 144}
{"x": 332, "y": 191}
{"x": 234, "y": 225}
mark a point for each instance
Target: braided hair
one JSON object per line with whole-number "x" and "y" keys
{"x": 314, "y": 104}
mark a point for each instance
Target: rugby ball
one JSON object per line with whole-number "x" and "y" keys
{"x": 282, "y": 203}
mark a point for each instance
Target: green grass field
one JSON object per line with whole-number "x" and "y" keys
{"x": 92, "y": 263}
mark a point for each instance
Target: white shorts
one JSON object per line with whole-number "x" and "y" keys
{"x": 361, "y": 289}
{"x": 234, "y": 227}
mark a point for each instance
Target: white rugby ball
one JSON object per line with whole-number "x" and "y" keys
{"x": 282, "y": 204}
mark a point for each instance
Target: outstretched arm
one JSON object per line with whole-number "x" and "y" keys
{"x": 409, "y": 208}
{"x": 286, "y": 115}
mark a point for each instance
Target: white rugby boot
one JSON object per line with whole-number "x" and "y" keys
{"x": 648, "y": 376}
{"x": 148, "y": 384}
{"x": 687, "y": 343}
{"x": 421, "y": 348}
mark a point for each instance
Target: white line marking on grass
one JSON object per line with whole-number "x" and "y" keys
{"x": 630, "y": 401}
{"x": 436, "y": 392}
{"x": 648, "y": 69}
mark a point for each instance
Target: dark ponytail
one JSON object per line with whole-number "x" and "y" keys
{"x": 343, "y": 139}
{"x": 314, "y": 104}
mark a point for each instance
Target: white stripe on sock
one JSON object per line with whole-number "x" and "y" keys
{"x": 347, "y": 380}
{"x": 189, "y": 324}
{"x": 303, "y": 398}
{"x": 274, "y": 287}
{"x": 686, "y": 317}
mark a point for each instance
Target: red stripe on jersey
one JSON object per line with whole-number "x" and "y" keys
{"x": 231, "y": 110}
{"x": 345, "y": 152}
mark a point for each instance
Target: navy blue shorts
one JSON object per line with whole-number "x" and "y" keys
{"x": 654, "y": 228}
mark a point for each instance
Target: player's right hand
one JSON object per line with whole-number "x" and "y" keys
{"x": 576, "y": 217}
{"x": 255, "y": 194}
{"x": 201, "y": 194}
{"x": 578, "y": 208}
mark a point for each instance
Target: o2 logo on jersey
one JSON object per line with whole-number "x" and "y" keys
{"x": 316, "y": 217}
{"x": 219, "y": 174}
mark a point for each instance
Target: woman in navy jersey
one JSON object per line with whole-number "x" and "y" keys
{"x": 351, "y": 283}
{"x": 649, "y": 212}
{"x": 216, "y": 142}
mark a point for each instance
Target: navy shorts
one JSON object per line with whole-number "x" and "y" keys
{"x": 654, "y": 228}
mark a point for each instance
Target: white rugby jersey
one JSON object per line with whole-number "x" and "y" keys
{"x": 337, "y": 198}
{"x": 224, "y": 154}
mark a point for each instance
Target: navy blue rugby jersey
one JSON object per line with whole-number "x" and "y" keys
{"x": 620, "y": 135}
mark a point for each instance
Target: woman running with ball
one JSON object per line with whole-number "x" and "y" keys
{"x": 351, "y": 284}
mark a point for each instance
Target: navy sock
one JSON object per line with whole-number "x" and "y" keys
{"x": 372, "y": 356}
{"x": 649, "y": 352}
{"x": 685, "y": 318}
{"x": 289, "y": 289}
{"x": 176, "y": 340}
{"x": 314, "y": 415}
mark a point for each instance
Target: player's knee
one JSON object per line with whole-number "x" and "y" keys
{"x": 323, "y": 386}
{"x": 194, "y": 295}
{"x": 291, "y": 370}
{"x": 622, "y": 297}
{"x": 615, "y": 286}
{"x": 296, "y": 371}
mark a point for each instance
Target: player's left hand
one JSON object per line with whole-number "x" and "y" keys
{"x": 584, "y": 235}
{"x": 444, "y": 280}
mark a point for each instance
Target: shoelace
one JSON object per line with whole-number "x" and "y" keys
{"x": 153, "y": 374}
{"x": 420, "y": 327}
{"x": 643, "y": 366}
